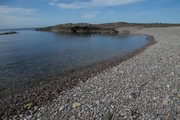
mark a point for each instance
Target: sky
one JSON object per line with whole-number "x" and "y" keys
{"x": 42, "y": 13}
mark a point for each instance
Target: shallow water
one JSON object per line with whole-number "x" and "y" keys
{"x": 32, "y": 54}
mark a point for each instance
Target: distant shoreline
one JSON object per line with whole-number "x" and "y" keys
{"x": 105, "y": 28}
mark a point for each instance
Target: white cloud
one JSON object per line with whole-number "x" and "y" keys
{"x": 16, "y": 10}
{"x": 93, "y": 3}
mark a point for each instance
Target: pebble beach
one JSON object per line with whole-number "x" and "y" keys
{"x": 145, "y": 87}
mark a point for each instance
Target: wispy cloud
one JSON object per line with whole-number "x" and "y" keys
{"x": 174, "y": 9}
{"x": 16, "y": 10}
{"x": 17, "y": 16}
{"x": 9, "y": 18}
{"x": 165, "y": 0}
{"x": 55, "y": 0}
{"x": 111, "y": 12}
{"x": 13, "y": 21}
{"x": 90, "y": 15}
{"x": 92, "y": 3}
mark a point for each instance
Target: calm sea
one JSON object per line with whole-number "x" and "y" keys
{"x": 31, "y": 54}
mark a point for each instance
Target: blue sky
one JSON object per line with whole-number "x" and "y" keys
{"x": 40, "y": 13}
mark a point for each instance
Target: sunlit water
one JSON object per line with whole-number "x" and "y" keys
{"x": 31, "y": 54}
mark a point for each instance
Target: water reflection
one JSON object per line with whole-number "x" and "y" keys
{"x": 31, "y": 54}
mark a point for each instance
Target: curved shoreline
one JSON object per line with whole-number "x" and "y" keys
{"x": 52, "y": 89}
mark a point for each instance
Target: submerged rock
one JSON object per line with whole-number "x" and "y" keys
{"x": 8, "y": 33}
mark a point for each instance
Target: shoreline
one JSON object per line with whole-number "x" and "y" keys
{"x": 39, "y": 95}
{"x": 143, "y": 87}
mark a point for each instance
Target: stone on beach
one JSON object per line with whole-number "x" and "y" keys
{"x": 76, "y": 105}
{"x": 125, "y": 32}
{"x": 28, "y": 105}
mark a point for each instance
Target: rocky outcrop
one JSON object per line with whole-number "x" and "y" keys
{"x": 79, "y": 28}
{"x": 106, "y": 28}
{"x": 8, "y": 33}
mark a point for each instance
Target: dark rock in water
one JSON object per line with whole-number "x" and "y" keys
{"x": 8, "y": 33}
{"x": 79, "y": 28}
